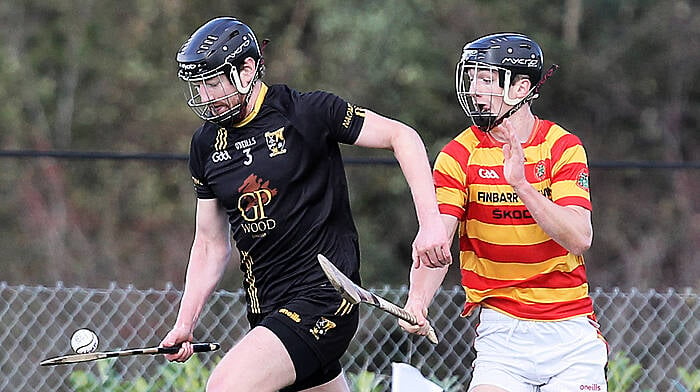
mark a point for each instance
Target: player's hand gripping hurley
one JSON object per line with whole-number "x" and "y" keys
{"x": 356, "y": 294}
{"x": 75, "y": 358}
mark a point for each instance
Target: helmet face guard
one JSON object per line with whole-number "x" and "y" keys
{"x": 209, "y": 63}
{"x": 488, "y": 68}
{"x": 477, "y": 84}
{"x": 209, "y": 95}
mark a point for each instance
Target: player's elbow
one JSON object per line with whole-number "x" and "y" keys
{"x": 578, "y": 250}
{"x": 580, "y": 245}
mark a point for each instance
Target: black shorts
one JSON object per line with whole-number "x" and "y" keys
{"x": 316, "y": 328}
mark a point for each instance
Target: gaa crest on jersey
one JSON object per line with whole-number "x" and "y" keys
{"x": 220, "y": 145}
{"x": 221, "y": 141}
{"x": 540, "y": 170}
{"x": 582, "y": 180}
{"x": 321, "y": 328}
{"x": 275, "y": 142}
{"x": 220, "y": 156}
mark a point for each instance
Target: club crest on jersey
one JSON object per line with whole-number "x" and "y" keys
{"x": 275, "y": 142}
{"x": 540, "y": 170}
{"x": 321, "y": 328}
{"x": 582, "y": 180}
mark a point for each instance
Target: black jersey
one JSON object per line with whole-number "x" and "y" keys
{"x": 280, "y": 177}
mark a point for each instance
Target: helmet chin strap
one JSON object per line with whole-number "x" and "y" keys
{"x": 532, "y": 94}
{"x": 483, "y": 120}
{"x": 515, "y": 103}
{"x": 487, "y": 121}
{"x": 236, "y": 79}
{"x": 493, "y": 122}
{"x": 246, "y": 91}
{"x": 506, "y": 96}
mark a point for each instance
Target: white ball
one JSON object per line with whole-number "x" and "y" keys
{"x": 84, "y": 341}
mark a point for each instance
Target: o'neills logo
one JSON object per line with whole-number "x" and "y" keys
{"x": 590, "y": 387}
{"x": 292, "y": 315}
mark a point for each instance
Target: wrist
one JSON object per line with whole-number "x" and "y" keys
{"x": 416, "y": 302}
{"x": 184, "y": 326}
{"x": 522, "y": 186}
{"x": 428, "y": 215}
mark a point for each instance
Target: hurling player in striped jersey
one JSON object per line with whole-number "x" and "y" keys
{"x": 515, "y": 189}
{"x": 272, "y": 195}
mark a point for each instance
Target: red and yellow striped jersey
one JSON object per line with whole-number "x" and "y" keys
{"x": 507, "y": 261}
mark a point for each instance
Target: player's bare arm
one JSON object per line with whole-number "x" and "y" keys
{"x": 569, "y": 226}
{"x": 424, "y": 283}
{"x": 431, "y": 245}
{"x": 211, "y": 251}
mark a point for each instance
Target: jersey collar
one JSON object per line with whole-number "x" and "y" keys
{"x": 258, "y": 103}
{"x": 491, "y": 141}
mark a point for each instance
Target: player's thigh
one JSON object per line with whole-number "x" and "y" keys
{"x": 578, "y": 378}
{"x": 316, "y": 329}
{"x": 585, "y": 370}
{"x": 259, "y": 362}
{"x": 338, "y": 384}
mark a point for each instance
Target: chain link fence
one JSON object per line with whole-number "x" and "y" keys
{"x": 657, "y": 331}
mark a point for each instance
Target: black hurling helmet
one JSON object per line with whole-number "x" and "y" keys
{"x": 509, "y": 54}
{"x": 217, "y": 50}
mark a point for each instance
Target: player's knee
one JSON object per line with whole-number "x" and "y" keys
{"x": 222, "y": 380}
{"x": 244, "y": 380}
{"x": 216, "y": 383}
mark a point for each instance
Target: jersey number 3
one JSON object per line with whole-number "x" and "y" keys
{"x": 248, "y": 157}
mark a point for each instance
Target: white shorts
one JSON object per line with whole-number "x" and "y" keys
{"x": 545, "y": 356}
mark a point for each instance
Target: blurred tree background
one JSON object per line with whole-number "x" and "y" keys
{"x": 88, "y": 75}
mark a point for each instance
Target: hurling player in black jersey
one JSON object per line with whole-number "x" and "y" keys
{"x": 272, "y": 195}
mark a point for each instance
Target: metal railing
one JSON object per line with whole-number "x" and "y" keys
{"x": 660, "y": 331}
